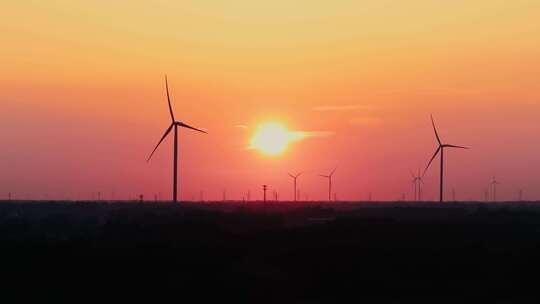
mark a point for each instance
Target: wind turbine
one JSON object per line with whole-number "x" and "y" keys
{"x": 329, "y": 176}
{"x": 295, "y": 177}
{"x": 265, "y": 187}
{"x": 417, "y": 182}
{"x": 414, "y": 184}
{"x": 493, "y": 185}
{"x": 174, "y": 124}
{"x": 441, "y": 150}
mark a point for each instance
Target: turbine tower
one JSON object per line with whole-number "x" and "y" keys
{"x": 174, "y": 125}
{"x": 441, "y": 150}
{"x": 295, "y": 177}
{"x": 329, "y": 176}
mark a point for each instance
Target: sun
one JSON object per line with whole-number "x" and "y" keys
{"x": 272, "y": 138}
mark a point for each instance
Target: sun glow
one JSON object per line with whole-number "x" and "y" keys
{"x": 272, "y": 138}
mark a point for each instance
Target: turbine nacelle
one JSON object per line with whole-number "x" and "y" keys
{"x": 329, "y": 175}
{"x": 183, "y": 125}
{"x": 295, "y": 176}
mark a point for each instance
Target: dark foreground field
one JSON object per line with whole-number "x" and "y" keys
{"x": 281, "y": 253}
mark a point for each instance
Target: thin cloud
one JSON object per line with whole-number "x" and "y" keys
{"x": 240, "y": 126}
{"x": 307, "y": 134}
{"x": 301, "y": 135}
{"x": 364, "y": 120}
{"x": 353, "y": 107}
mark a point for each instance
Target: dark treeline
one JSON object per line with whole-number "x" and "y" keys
{"x": 285, "y": 253}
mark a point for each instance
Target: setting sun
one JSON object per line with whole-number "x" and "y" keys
{"x": 272, "y": 138}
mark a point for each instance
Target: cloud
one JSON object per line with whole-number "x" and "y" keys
{"x": 353, "y": 107}
{"x": 309, "y": 134}
{"x": 364, "y": 120}
{"x": 301, "y": 135}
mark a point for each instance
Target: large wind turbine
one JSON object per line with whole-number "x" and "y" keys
{"x": 440, "y": 149}
{"x": 295, "y": 177}
{"x": 174, "y": 124}
{"x": 329, "y": 176}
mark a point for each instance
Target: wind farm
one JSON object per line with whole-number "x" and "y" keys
{"x": 202, "y": 229}
{"x": 270, "y": 151}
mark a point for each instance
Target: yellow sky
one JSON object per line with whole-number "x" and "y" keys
{"x": 254, "y": 41}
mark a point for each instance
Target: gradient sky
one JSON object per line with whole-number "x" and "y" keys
{"x": 82, "y": 99}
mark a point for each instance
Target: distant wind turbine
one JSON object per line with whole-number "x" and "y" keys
{"x": 329, "y": 176}
{"x": 265, "y": 187}
{"x": 493, "y": 185}
{"x": 417, "y": 182}
{"x": 174, "y": 124}
{"x": 295, "y": 177}
{"x": 441, "y": 150}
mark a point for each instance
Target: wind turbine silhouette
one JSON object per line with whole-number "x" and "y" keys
{"x": 493, "y": 185}
{"x": 174, "y": 124}
{"x": 329, "y": 176}
{"x": 417, "y": 182}
{"x": 440, "y": 149}
{"x": 295, "y": 177}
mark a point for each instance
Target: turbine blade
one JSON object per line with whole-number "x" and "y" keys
{"x": 412, "y": 174}
{"x": 435, "y": 129}
{"x": 297, "y": 175}
{"x": 432, "y": 158}
{"x": 453, "y": 146}
{"x": 181, "y": 124}
{"x": 332, "y": 173}
{"x": 169, "y": 98}
{"x": 291, "y": 175}
{"x": 162, "y": 138}
{"x": 326, "y": 176}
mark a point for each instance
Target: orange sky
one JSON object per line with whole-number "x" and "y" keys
{"x": 82, "y": 95}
